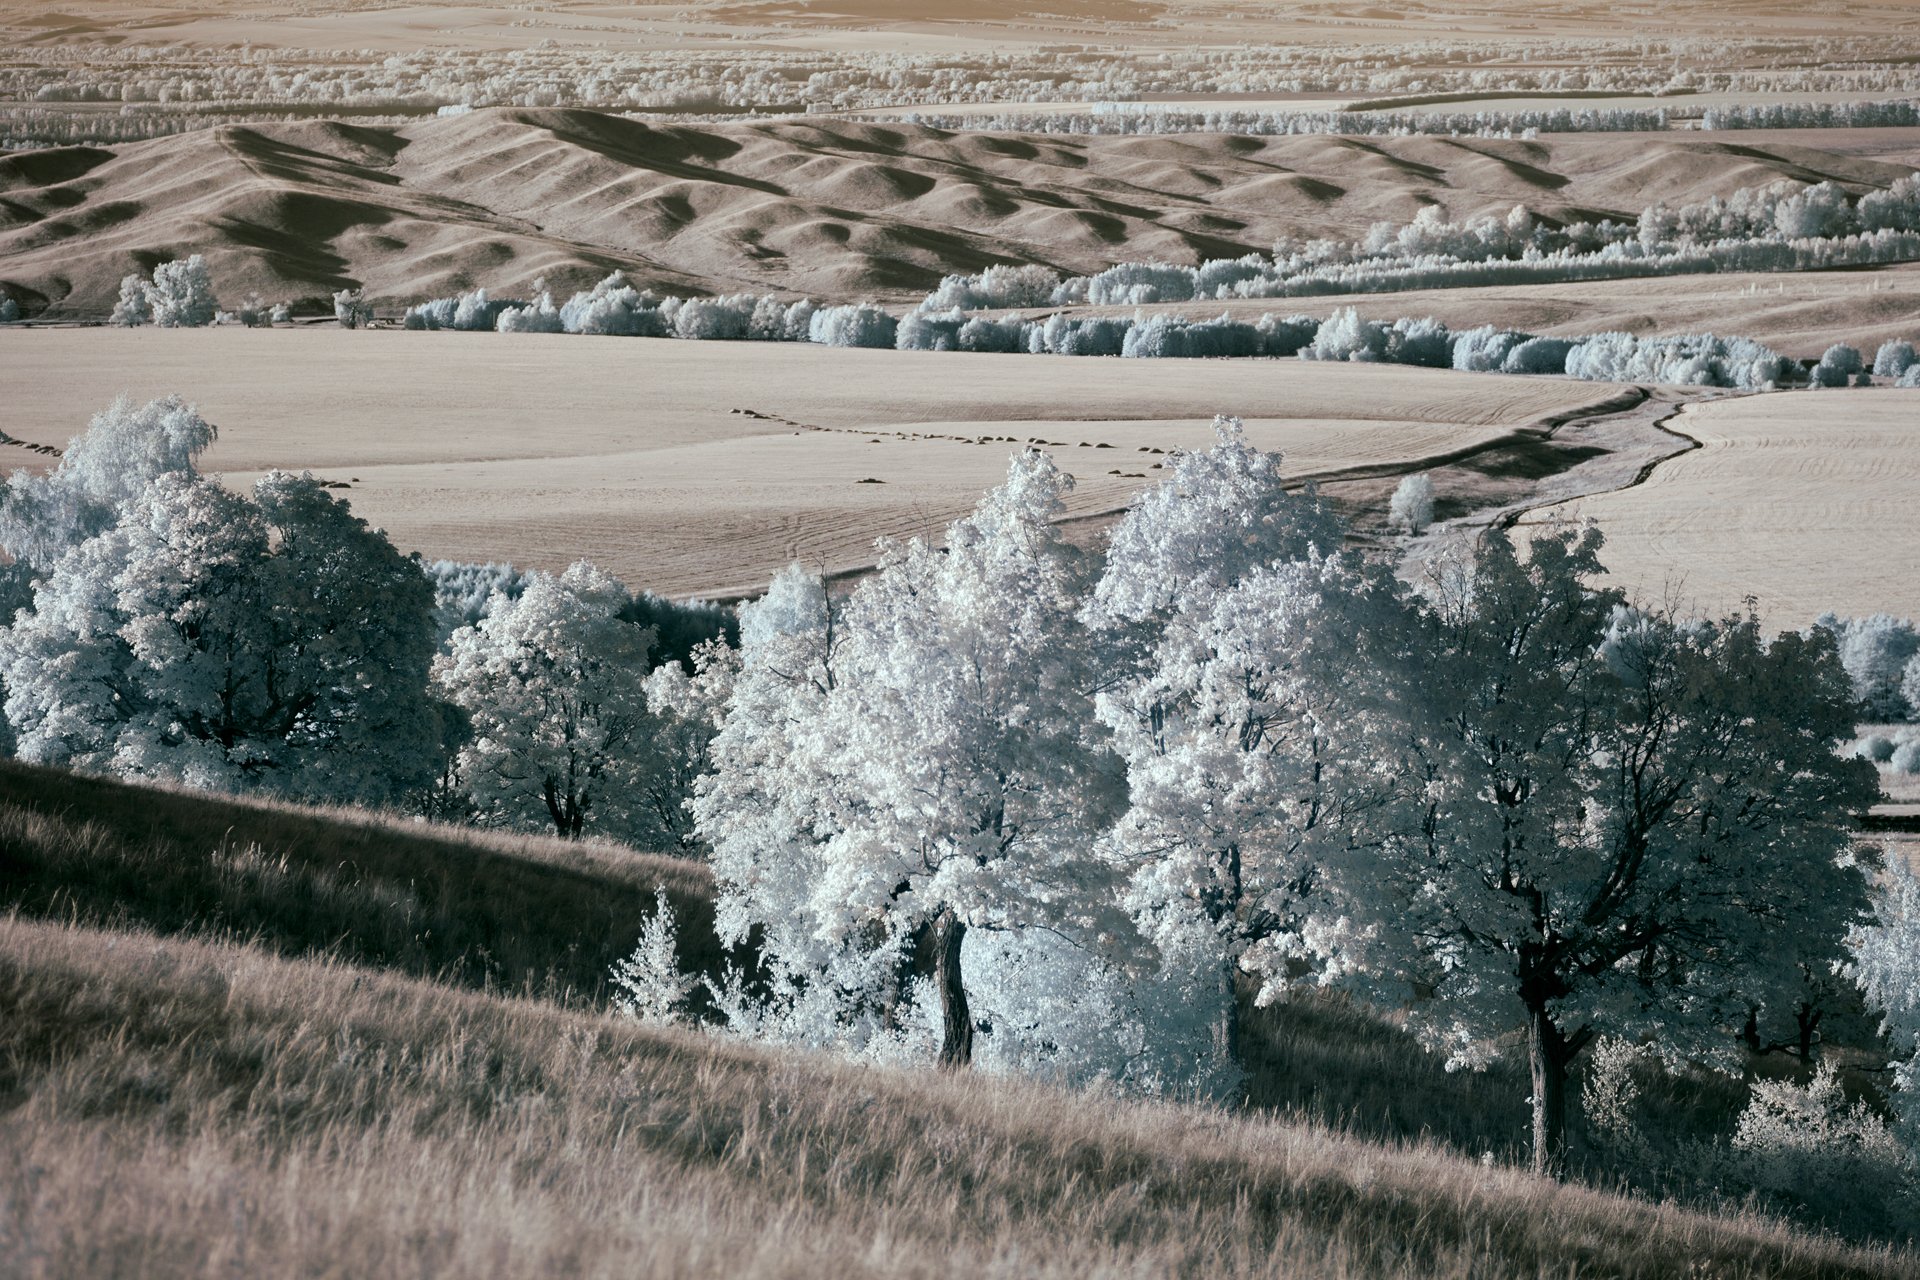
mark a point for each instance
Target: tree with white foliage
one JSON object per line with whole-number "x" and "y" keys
{"x": 1885, "y": 962}
{"x": 274, "y": 644}
{"x": 1608, "y": 822}
{"x": 1411, "y": 507}
{"x": 102, "y": 473}
{"x": 181, "y": 295}
{"x": 651, "y": 986}
{"x": 553, "y": 682}
{"x": 913, "y": 769}
{"x": 1225, "y": 612}
{"x": 970, "y": 790}
{"x": 687, "y": 710}
{"x": 351, "y": 310}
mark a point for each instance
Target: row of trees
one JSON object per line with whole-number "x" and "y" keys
{"x": 1018, "y": 801}
{"x": 163, "y": 627}
{"x": 157, "y": 81}
{"x": 1013, "y": 801}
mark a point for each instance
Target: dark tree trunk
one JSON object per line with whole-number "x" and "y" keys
{"x": 1548, "y": 1054}
{"x": 956, "y": 1045}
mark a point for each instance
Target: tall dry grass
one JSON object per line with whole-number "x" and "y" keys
{"x": 174, "y": 1107}
{"x": 475, "y": 908}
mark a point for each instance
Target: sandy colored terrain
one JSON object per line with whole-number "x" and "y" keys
{"x": 834, "y": 209}
{"x": 917, "y": 25}
{"x": 1804, "y": 500}
{"x": 1799, "y": 314}
{"x": 642, "y": 454}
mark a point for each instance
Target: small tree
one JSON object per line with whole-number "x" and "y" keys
{"x": 553, "y": 682}
{"x": 351, "y": 309}
{"x": 1412, "y": 506}
{"x": 181, "y": 295}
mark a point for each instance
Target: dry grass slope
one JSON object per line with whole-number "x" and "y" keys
{"x": 526, "y": 914}
{"x": 276, "y": 1118}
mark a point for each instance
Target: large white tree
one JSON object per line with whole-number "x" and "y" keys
{"x": 1610, "y": 822}
{"x": 915, "y": 768}
{"x": 553, "y": 682}
{"x": 275, "y": 643}
{"x": 1227, "y": 615}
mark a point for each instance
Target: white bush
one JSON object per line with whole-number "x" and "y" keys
{"x": 1538, "y": 356}
{"x": 9, "y": 310}
{"x": 650, "y": 985}
{"x": 1346, "y": 336}
{"x": 1485, "y": 349}
{"x": 351, "y": 309}
{"x": 997, "y": 288}
{"x": 1893, "y": 359}
{"x": 614, "y": 307}
{"x": 1412, "y": 506}
{"x": 862, "y": 325}
{"x": 931, "y": 330}
{"x": 538, "y": 316}
{"x": 1810, "y": 1144}
{"x": 181, "y": 295}
{"x": 711, "y": 319}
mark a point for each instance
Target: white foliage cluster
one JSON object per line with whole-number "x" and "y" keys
{"x": 1411, "y": 507}
{"x": 179, "y": 295}
{"x": 1808, "y": 1143}
{"x": 351, "y": 310}
{"x": 180, "y": 632}
{"x": 650, "y": 984}
{"x": 1785, "y": 226}
{"x": 1885, "y": 962}
{"x": 1881, "y": 654}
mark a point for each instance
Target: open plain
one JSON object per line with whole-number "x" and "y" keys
{"x": 700, "y": 468}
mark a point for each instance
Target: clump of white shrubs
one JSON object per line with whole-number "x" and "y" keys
{"x": 178, "y": 296}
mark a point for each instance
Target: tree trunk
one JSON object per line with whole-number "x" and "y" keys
{"x": 956, "y": 1045}
{"x": 1548, "y": 1054}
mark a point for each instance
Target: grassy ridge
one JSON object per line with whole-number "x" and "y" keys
{"x": 470, "y": 908}
{"x": 274, "y": 1117}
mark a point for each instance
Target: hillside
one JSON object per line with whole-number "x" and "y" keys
{"x": 384, "y": 1046}
{"x": 272, "y": 1117}
{"x": 832, "y": 208}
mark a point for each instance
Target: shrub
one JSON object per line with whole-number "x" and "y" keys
{"x": 1412, "y": 506}
{"x": 351, "y": 309}
{"x": 181, "y": 294}
{"x": 1485, "y": 349}
{"x": 9, "y": 310}
{"x": 1906, "y": 758}
{"x": 1346, "y": 336}
{"x": 862, "y": 325}
{"x": 931, "y": 331}
{"x": 614, "y": 307}
{"x": 1538, "y": 356}
{"x": 1875, "y": 748}
{"x": 1893, "y": 359}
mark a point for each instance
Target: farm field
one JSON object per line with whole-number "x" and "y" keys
{"x": 1805, "y": 503}
{"x": 699, "y": 468}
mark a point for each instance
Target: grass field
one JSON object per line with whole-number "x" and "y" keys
{"x": 276, "y": 1100}
{"x": 701, "y": 468}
